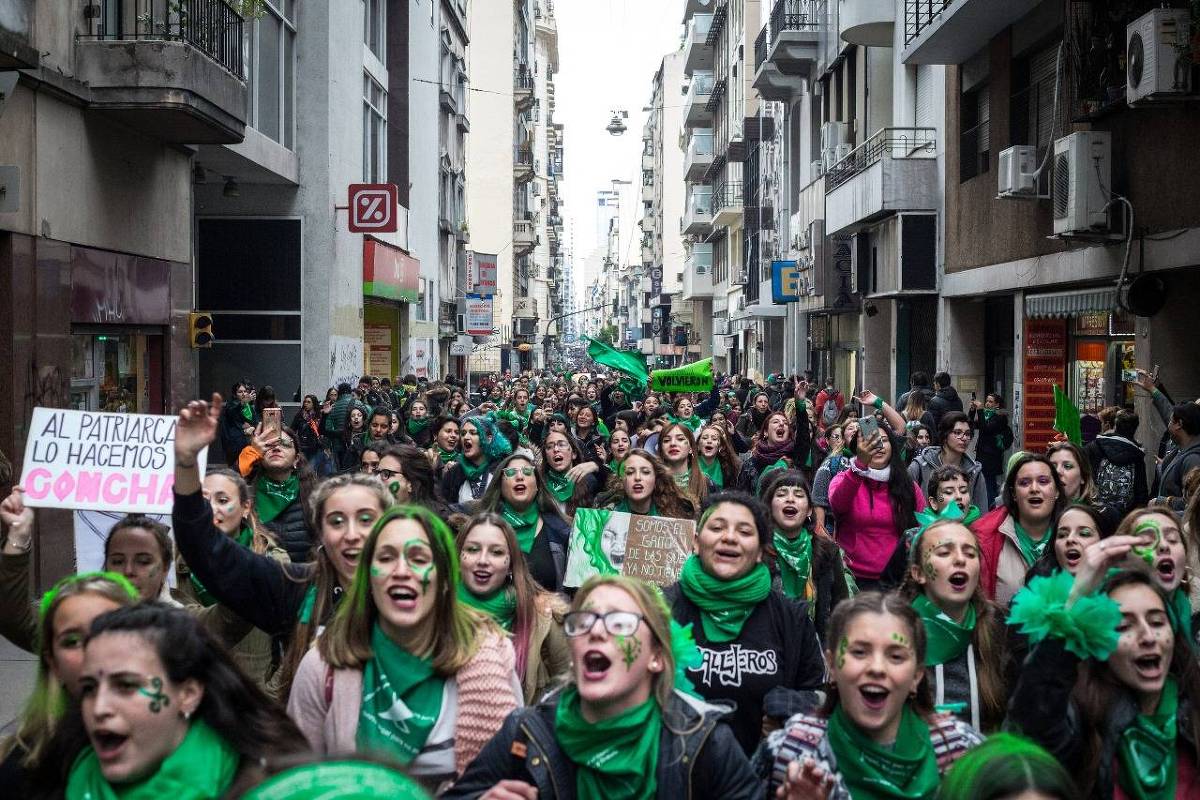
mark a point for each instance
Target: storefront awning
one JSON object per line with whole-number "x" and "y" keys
{"x": 1069, "y": 304}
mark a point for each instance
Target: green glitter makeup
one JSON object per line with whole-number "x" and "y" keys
{"x": 631, "y": 648}
{"x": 900, "y": 639}
{"x": 843, "y": 646}
{"x": 158, "y": 697}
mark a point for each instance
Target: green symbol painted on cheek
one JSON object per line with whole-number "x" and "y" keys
{"x": 158, "y": 697}
{"x": 376, "y": 572}
{"x": 631, "y": 648}
{"x": 843, "y": 646}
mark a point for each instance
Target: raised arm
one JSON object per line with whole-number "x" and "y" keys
{"x": 18, "y": 622}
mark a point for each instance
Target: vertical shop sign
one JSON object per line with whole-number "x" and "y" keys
{"x": 1045, "y": 366}
{"x": 379, "y": 349}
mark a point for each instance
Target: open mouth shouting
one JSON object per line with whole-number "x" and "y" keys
{"x": 874, "y": 696}
{"x": 403, "y": 598}
{"x": 790, "y": 513}
{"x": 558, "y": 459}
{"x": 595, "y": 666}
{"x": 639, "y": 490}
{"x": 1072, "y": 555}
{"x": 1166, "y": 572}
{"x": 520, "y": 490}
{"x": 349, "y": 557}
{"x": 958, "y": 581}
{"x": 109, "y": 745}
{"x": 481, "y": 577}
{"x": 1150, "y": 667}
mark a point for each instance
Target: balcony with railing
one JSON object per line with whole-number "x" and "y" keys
{"x": 697, "y": 53}
{"x": 697, "y": 212}
{"x": 951, "y": 31}
{"x": 894, "y": 170}
{"x": 524, "y": 235}
{"x": 523, "y": 85}
{"x": 696, "y": 101}
{"x": 699, "y": 155}
{"x": 868, "y": 23}
{"x": 523, "y": 164}
{"x": 170, "y": 68}
{"x": 697, "y": 272}
{"x": 727, "y": 204}
{"x": 787, "y": 47}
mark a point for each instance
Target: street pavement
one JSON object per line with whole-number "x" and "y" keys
{"x": 17, "y": 672}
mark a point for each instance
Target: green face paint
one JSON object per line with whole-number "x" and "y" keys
{"x": 843, "y": 646}
{"x": 631, "y": 648}
{"x": 900, "y": 639}
{"x": 158, "y": 697}
{"x": 377, "y": 572}
{"x": 1148, "y": 527}
{"x": 420, "y": 560}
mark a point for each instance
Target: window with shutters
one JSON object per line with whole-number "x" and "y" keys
{"x": 923, "y": 97}
{"x": 974, "y": 147}
{"x": 1031, "y": 107}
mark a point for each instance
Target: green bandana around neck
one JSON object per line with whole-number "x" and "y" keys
{"x": 446, "y": 456}
{"x": 907, "y": 770}
{"x": 562, "y": 487}
{"x": 946, "y": 639}
{"x": 1146, "y": 753}
{"x": 500, "y": 605}
{"x": 795, "y": 566}
{"x": 1031, "y": 551}
{"x": 724, "y": 605}
{"x": 401, "y": 700}
{"x": 692, "y": 423}
{"x": 271, "y": 498}
{"x": 472, "y": 471}
{"x": 615, "y": 758}
{"x": 201, "y": 768}
{"x": 712, "y": 470}
{"x": 624, "y": 507}
{"x": 524, "y": 523}
{"x": 415, "y": 426}
{"x": 244, "y": 537}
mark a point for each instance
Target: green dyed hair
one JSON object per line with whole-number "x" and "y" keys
{"x": 83, "y": 577}
{"x": 1007, "y": 765}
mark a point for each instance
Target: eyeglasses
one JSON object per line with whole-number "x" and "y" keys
{"x": 617, "y": 623}
{"x": 387, "y": 474}
{"x": 961, "y": 434}
{"x": 511, "y": 472}
{"x": 558, "y": 446}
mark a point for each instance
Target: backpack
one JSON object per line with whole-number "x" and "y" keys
{"x": 829, "y": 411}
{"x": 1114, "y": 485}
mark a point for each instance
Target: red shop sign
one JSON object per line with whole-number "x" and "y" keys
{"x": 1045, "y": 366}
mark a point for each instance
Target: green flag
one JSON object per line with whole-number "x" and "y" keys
{"x": 1066, "y": 417}
{"x": 694, "y": 377}
{"x": 631, "y": 364}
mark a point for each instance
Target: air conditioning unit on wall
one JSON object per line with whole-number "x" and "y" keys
{"x": 1018, "y": 171}
{"x": 1082, "y": 182}
{"x": 1157, "y": 54}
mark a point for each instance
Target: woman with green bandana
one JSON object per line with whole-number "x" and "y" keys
{"x": 588, "y": 429}
{"x": 677, "y": 448}
{"x": 519, "y": 406}
{"x": 164, "y": 713}
{"x": 405, "y": 671}
{"x": 417, "y": 425}
{"x": 620, "y": 729}
{"x": 444, "y": 448}
{"x": 754, "y": 640}
{"x": 1110, "y": 683}
{"x": 684, "y": 413}
{"x": 995, "y": 437}
{"x": 58, "y": 626}
{"x": 238, "y": 421}
{"x": 517, "y": 495}
{"x": 569, "y": 476}
{"x": 281, "y": 482}
{"x": 836, "y": 436}
{"x": 481, "y": 445}
{"x": 1163, "y": 550}
{"x": 619, "y": 445}
{"x": 877, "y": 736}
{"x": 1013, "y": 536}
{"x": 777, "y": 443}
{"x": 965, "y": 656}
{"x": 643, "y": 486}
{"x": 715, "y": 455}
{"x": 1079, "y": 527}
{"x": 803, "y": 566}
{"x": 496, "y": 582}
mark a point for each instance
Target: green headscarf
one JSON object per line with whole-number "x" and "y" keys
{"x": 870, "y": 771}
{"x": 500, "y": 605}
{"x": 401, "y": 700}
{"x": 271, "y": 498}
{"x": 712, "y": 470}
{"x": 524, "y": 523}
{"x": 559, "y": 485}
{"x": 615, "y": 758}
{"x": 724, "y": 605}
{"x": 1146, "y": 753}
{"x": 244, "y": 537}
{"x": 201, "y": 768}
{"x": 946, "y": 639}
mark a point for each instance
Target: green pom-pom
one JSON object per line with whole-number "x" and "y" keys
{"x": 687, "y": 656}
{"x": 1088, "y": 628}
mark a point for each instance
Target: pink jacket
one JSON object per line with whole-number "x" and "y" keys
{"x": 328, "y": 716}
{"x": 865, "y": 529}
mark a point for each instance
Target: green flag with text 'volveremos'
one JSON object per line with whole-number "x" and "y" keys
{"x": 694, "y": 377}
{"x": 623, "y": 361}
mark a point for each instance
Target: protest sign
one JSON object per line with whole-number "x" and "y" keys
{"x": 615, "y": 542}
{"x": 694, "y": 377}
{"x": 101, "y": 461}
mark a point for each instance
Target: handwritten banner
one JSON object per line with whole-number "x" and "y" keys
{"x": 615, "y": 542}
{"x": 694, "y": 377}
{"x": 101, "y": 461}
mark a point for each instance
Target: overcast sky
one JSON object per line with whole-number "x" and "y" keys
{"x": 609, "y": 51}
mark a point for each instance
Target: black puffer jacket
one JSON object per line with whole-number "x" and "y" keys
{"x": 705, "y": 762}
{"x": 944, "y": 400}
{"x": 1121, "y": 482}
{"x": 292, "y": 532}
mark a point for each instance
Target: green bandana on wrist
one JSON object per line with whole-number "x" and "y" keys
{"x": 244, "y": 537}
{"x": 500, "y": 605}
{"x": 202, "y": 766}
{"x": 615, "y": 758}
{"x": 724, "y": 605}
{"x": 1146, "y": 752}
{"x": 524, "y": 523}
{"x": 401, "y": 700}
{"x": 1031, "y": 551}
{"x": 712, "y": 470}
{"x": 415, "y": 426}
{"x": 907, "y": 770}
{"x": 562, "y": 487}
{"x": 795, "y": 566}
{"x": 946, "y": 639}
{"x": 271, "y": 498}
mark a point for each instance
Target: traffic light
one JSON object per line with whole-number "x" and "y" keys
{"x": 200, "y": 332}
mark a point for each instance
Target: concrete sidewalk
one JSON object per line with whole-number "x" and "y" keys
{"x": 17, "y": 672}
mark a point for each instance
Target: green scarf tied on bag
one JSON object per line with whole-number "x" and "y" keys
{"x": 1146, "y": 752}
{"x": 724, "y": 605}
{"x": 415, "y": 426}
{"x": 271, "y": 498}
{"x": 946, "y": 639}
{"x": 795, "y": 566}
{"x": 562, "y": 487}
{"x": 712, "y": 470}
{"x": 244, "y": 537}
{"x": 524, "y": 523}
{"x": 401, "y": 700}
{"x": 615, "y": 758}
{"x": 201, "y": 768}
{"x": 1031, "y": 551}
{"x": 907, "y": 770}
{"x": 500, "y": 605}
